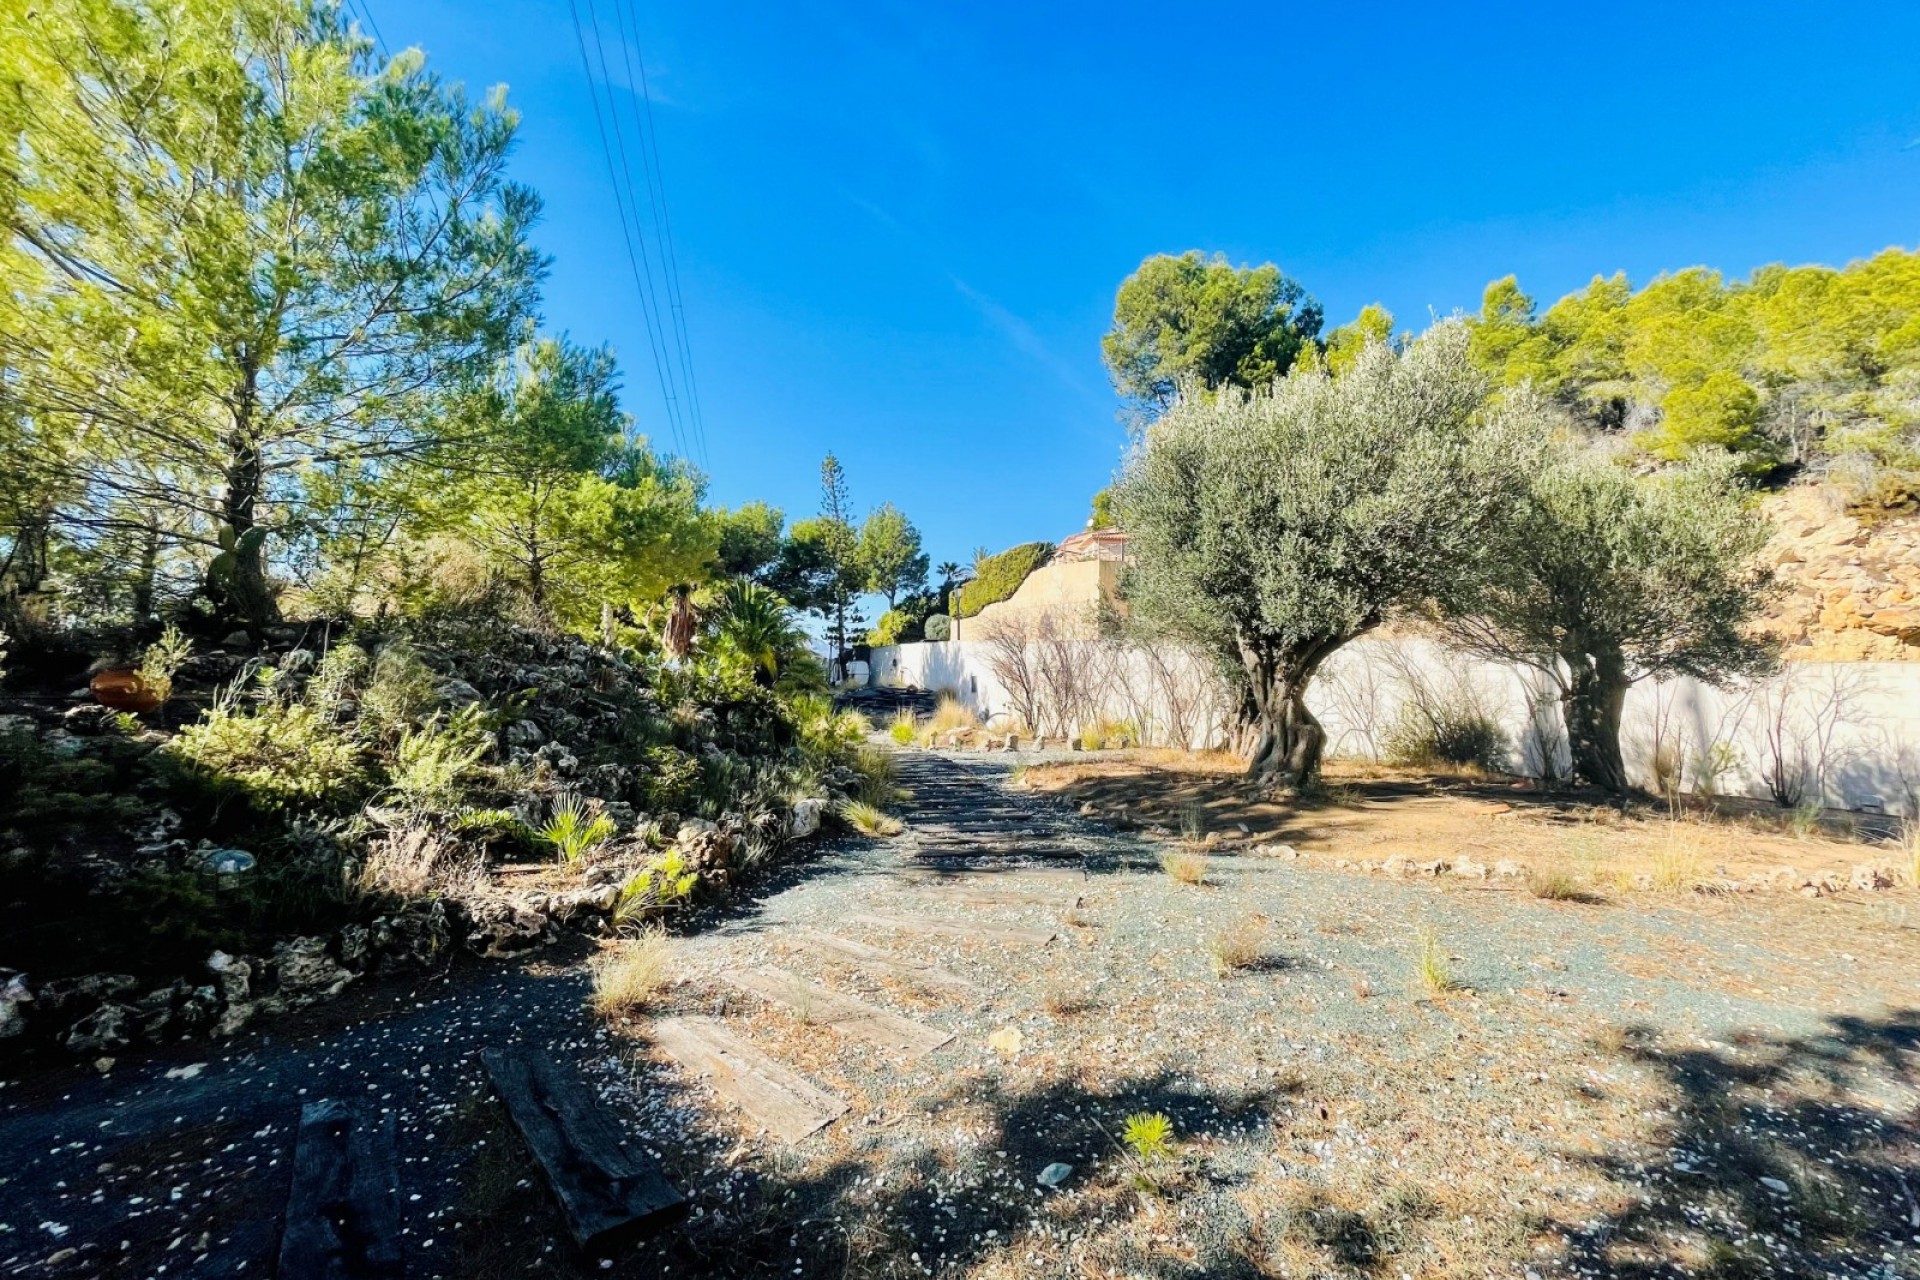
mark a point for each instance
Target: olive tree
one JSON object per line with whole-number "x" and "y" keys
{"x": 1273, "y": 526}
{"x": 1604, "y": 578}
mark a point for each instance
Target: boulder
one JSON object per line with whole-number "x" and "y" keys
{"x": 497, "y": 929}
{"x": 1866, "y": 878}
{"x": 104, "y": 1030}
{"x": 413, "y": 937}
{"x": 806, "y": 817}
{"x": 456, "y": 693}
{"x": 1468, "y": 869}
{"x": 1508, "y": 869}
{"x": 307, "y": 971}
{"x": 525, "y": 733}
{"x": 13, "y": 995}
{"x": 233, "y": 975}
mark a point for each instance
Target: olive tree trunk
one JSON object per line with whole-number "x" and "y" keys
{"x": 1594, "y": 697}
{"x": 1287, "y": 755}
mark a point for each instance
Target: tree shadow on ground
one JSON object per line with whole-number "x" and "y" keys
{"x": 1780, "y": 1156}
{"x": 888, "y": 1206}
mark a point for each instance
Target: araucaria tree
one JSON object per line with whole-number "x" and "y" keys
{"x": 1274, "y": 526}
{"x": 243, "y": 260}
{"x": 1604, "y": 578}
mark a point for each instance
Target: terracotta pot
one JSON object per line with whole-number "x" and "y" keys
{"x": 124, "y": 690}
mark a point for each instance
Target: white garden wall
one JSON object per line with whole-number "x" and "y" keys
{"x": 1847, "y": 734}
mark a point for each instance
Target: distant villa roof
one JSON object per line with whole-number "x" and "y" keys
{"x": 1093, "y": 544}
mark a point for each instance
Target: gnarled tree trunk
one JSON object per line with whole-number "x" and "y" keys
{"x": 1287, "y": 755}
{"x": 1596, "y": 694}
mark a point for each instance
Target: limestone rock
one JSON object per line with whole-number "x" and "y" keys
{"x": 13, "y": 995}
{"x": 307, "y": 972}
{"x": 104, "y": 1030}
{"x": 498, "y": 929}
{"x": 806, "y": 817}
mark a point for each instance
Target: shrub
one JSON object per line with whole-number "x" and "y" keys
{"x": 996, "y": 578}
{"x": 891, "y": 627}
{"x": 277, "y": 755}
{"x": 163, "y": 660}
{"x": 1557, "y": 886}
{"x": 432, "y": 762}
{"x": 939, "y": 627}
{"x": 630, "y": 976}
{"x": 398, "y": 693}
{"x": 1424, "y": 737}
{"x": 673, "y": 777}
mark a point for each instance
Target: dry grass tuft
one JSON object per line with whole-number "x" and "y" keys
{"x": 1676, "y": 867}
{"x": 627, "y": 978}
{"x": 868, "y": 820}
{"x": 1908, "y": 861}
{"x": 1556, "y": 884}
{"x": 1188, "y": 866}
{"x": 951, "y": 713}
{"x": 1238, "y": 946}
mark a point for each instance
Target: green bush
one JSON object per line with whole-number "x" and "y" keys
{"x": 673, "y": 776}
{"x": 277, "y": 755}
{"x": 939, "y": 627}
{"x": 891, "y": 627}
{"x": 1423, "y": 737}
{"x": 996, "y": 578}
{"x": 432, "y": 763}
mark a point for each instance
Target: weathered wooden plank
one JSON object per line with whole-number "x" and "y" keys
{"x": 957, "y": 928}
{"x": 827, "y": 1007}
{"x": 610, "y": 1191}
{"x": 874, "y": 958}
{"x": 787, "y": 1104}
{"x": 343, "y": 1222}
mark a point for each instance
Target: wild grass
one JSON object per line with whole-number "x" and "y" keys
{"x": 950, "y": 714}
{"x": 904, "y": 727}
{"x": 631, "y": 976}
{"x": 1237, "y": 946}
{"x": 1676, "y": 866}
{"x": 1909, "y": 856}
{"x": 879, "y": 778}
{"x": 1556, "y": 884}
{"x": 1188, "y": 866}
{"x": 1804, "y": 820}
{"x": 1193, "y": 822}
{"x": 869, "y": 820}
{"x": 1109, "y": 735}
{"x": 1431, "y": 967}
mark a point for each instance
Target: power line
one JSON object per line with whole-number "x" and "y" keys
{"x": 662, "y": 216}
{"x": 642, "y": 271}
{"x": 364, "y": 12}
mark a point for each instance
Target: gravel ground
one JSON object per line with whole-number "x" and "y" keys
{"x": 1697, "y": 1088}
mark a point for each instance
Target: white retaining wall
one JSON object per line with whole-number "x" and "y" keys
{"x": 1846, "y": 734}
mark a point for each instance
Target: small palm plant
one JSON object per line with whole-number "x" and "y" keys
{"x": 1148, "y": 1139}
{"x": 574, "y": 829}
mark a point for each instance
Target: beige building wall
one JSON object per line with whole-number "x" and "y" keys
{"x": 1067, "y": 589}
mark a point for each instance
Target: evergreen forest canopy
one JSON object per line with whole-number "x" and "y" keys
{"x": 1793, "y": 366}
{"x": 270, "y": 342}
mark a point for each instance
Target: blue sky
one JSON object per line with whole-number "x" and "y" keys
{"x": 900, "y": 226}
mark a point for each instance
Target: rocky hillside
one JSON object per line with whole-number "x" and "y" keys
{"x": 1850, "y": 585}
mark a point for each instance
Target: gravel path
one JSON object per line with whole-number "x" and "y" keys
{"x": 1606, "y": 1091}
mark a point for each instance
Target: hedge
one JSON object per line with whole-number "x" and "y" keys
{"x": 997, "y": 577}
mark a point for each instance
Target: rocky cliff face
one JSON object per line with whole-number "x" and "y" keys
{"x": 1850, "y": 588}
